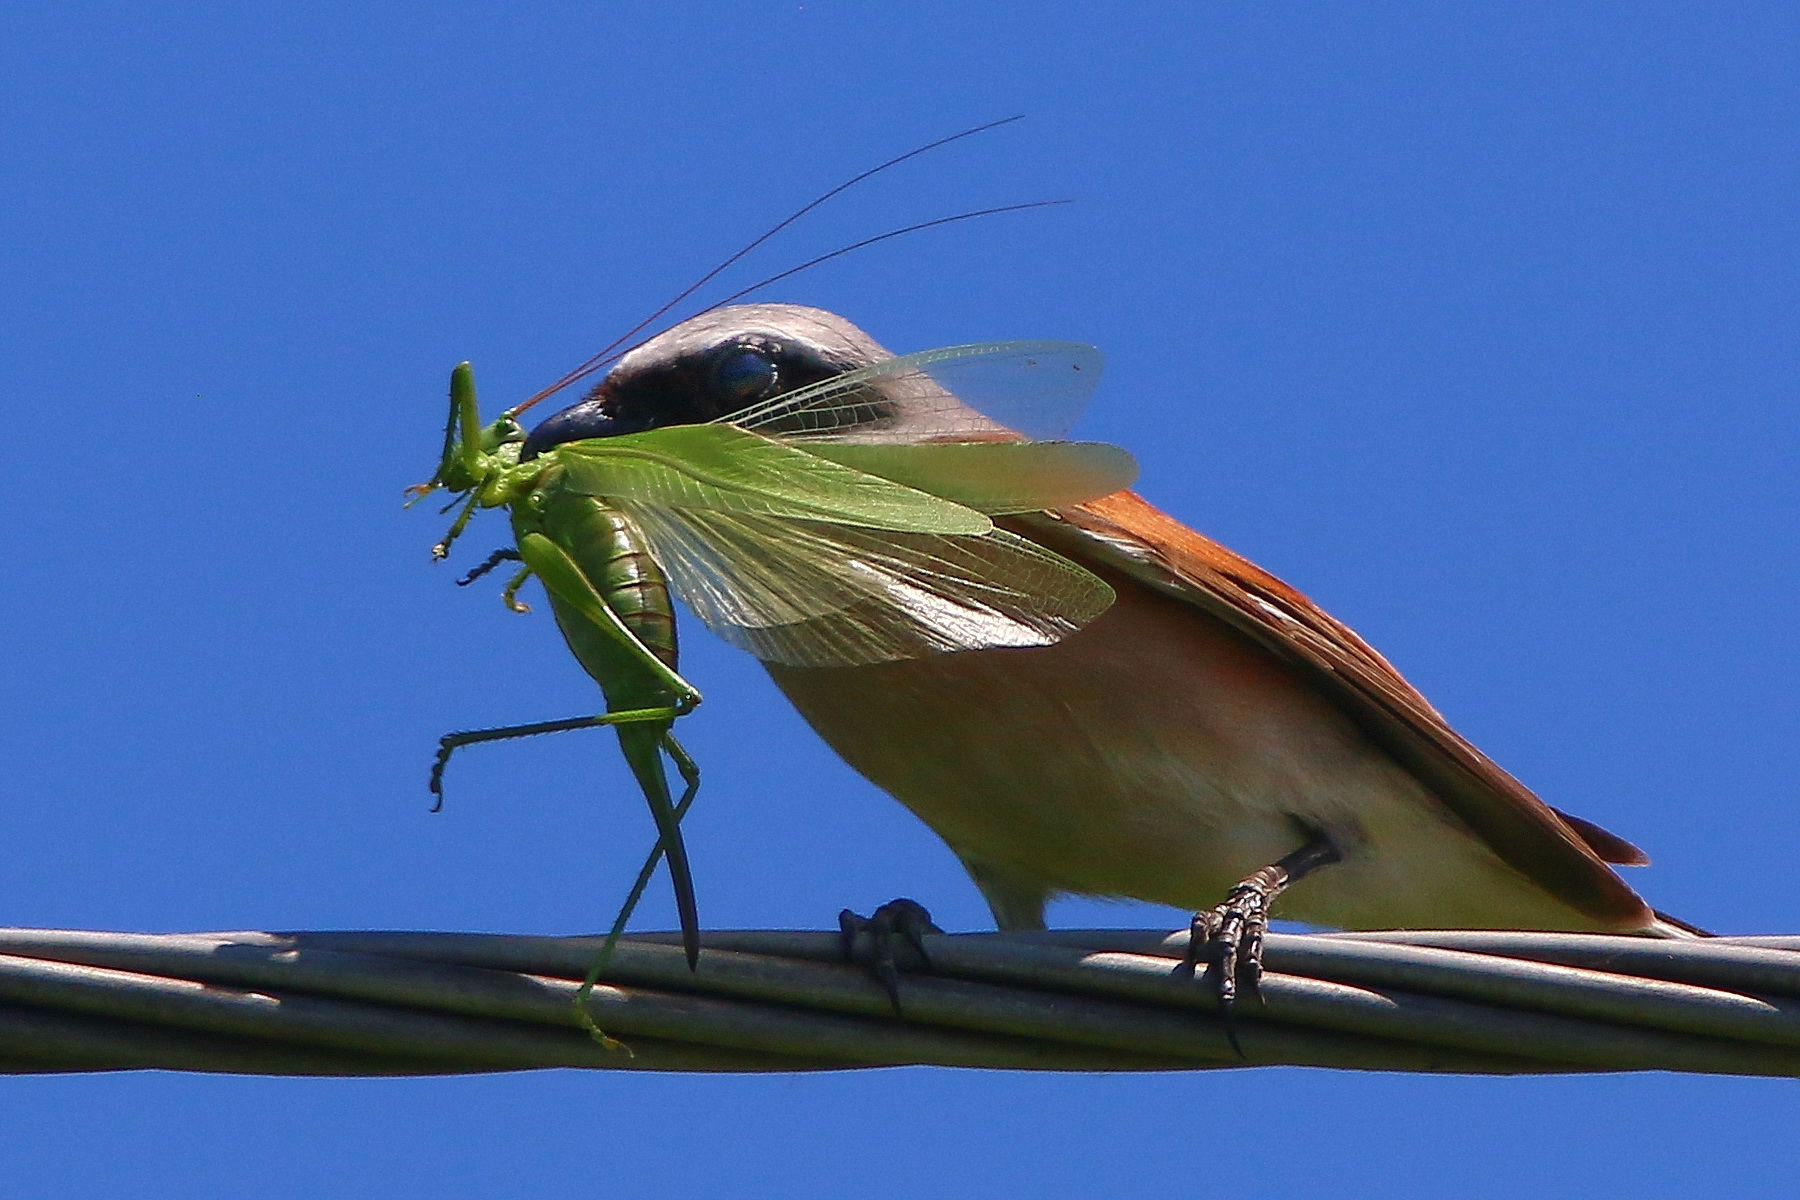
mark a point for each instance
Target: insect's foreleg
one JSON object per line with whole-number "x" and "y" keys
{"x": 451, "y": 742}
{"x": 419, "y": 491}
{"x": 441, "y": 551}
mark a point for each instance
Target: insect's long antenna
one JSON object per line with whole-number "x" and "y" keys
{"x": 607, "y": 354}
{"x": 880, "y": 237}
{"x": 596, "y": 363}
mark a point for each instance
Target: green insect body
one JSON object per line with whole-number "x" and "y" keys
{"x": 608, "y": 550}
{"x": 611, "y": 603}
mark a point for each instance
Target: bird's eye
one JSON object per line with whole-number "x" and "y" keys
{"x": 743, "y": 376}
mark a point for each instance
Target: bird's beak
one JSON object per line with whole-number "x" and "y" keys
{"x": 586, "y": 419}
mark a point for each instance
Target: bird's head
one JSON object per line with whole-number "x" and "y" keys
{"x": 709, "y": 367}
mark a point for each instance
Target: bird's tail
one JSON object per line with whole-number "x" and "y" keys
{"x": 1674, "y": 927}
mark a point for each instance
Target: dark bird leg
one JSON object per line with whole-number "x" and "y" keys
{"x": 1229, "y": 938}
{"x": 896, "y": 920}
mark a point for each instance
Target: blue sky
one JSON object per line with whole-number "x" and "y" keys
{"x": 1477, "y": 322}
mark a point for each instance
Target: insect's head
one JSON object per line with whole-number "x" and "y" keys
{"x": 712, "y": 366}
{"x": 476, "y": 458}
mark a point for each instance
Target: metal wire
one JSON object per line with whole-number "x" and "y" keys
{"x": 397, "y": 1003}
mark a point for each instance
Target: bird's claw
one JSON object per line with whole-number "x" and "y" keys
{"x": 1229, "y": 940}
{"x": 897, "y": 920}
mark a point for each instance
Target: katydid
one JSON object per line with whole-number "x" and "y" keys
{"x": 805, "y": 526}
{"x": 611, "y": 604}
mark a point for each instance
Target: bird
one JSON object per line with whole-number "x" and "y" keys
{"x": 1213, "y": 741}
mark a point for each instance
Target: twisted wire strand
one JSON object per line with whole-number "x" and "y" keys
{"x": 403, "y": 1003}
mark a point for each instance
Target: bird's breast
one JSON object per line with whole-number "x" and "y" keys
{"x": 1158, "y": 755}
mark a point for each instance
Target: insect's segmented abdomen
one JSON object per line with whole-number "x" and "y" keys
{"x": 612, "y": 554}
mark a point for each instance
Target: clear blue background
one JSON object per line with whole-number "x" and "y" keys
{"x": 1477, "y": 322}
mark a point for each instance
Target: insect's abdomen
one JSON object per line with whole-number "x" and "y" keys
{"x": 611, "y": 552}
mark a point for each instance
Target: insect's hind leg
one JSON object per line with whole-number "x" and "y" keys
{"x": 451, "y": 742}
{"x": 687, "y": 768}
{"x": 690, "y": 778}
{"x": 689, "y": 771}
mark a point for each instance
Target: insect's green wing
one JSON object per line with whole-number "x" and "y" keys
{"x": 805, "y": 560}
{"x": 820, "y": 594}
{"x": 994, "y": 477}
{"x": 723, "y": 469}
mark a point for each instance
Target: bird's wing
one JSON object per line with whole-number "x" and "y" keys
{"x": 1565, "y": 855}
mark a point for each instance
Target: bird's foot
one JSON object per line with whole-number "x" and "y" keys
{"x": 894, "y": 922}
{"x": 1229, "y": 938}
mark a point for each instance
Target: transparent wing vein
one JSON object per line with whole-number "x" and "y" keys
{"x": 816, "y": 594}
{"x": 989, "y": 390}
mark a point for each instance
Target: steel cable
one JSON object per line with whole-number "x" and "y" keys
{"x": 397, "y": 1003}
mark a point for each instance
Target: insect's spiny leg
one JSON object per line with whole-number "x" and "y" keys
{"x": 493, "y": 560}
{"x": 509, "y": 595}
{"x": 688, "y": 769}
{"x": 690, "y": 778}
{"x": 451, "y": 742}
{"x": 442, "y": 549}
